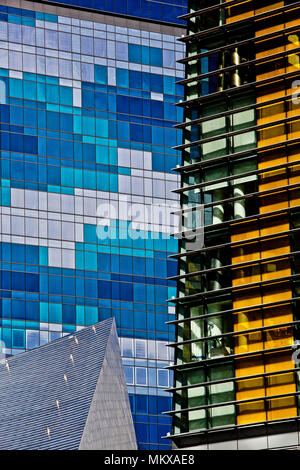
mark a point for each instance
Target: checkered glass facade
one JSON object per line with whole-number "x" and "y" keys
{"x": 87, "y": 114}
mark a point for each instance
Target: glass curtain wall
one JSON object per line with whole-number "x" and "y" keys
{"x": 237, "y": 292}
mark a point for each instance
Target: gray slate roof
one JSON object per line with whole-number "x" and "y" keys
{"x": 65, "y": 394}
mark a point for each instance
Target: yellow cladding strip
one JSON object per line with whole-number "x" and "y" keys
{"x": 277, "y": 337}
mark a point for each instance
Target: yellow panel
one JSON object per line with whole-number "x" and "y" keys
{"x": 269, "y": 7}
{"x": 240, "y": 11}
{"x": 294, "y": 174}
{"x": 261, "y": 30}
{"x": 279, "y": 362}
{"x": 271, "y": 113}
{"x": 292, "y": 108}
{"x": 247, "y": 319}
{"x": 269, "y": 69}
{"x": 274, "y": 224}
{"x": 294, "y": 129}
{"x": 250, "y": 388}
{"x": 246, "y": 297}
{"x": 294, "y": 198}
{"x": 244, "y": 230}
{"x": 276, "y": 315}
{"x": 293, "y": 18}
{"x": 252, "y": 412}
{"x": 249, "y": 366}
{"x": 275, "y": 246}
{"x": 273, "y": 202}
{"x": 278, "y": 337}
{"x": 275, "y": 269}
{"x": 277, "y": 293}
{"x": 245, "y": 275}
{"x": 265, "y": 48}
{"x": 246, "y": 252}
{"x": 282, "y": 408}
{"x": 279, "y": 384}
{"x": 271, "y": 94}
{"x": 273, "y": 179}
{"x": 274, "y": 337}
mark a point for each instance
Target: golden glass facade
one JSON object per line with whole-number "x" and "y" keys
{"x": 238, "y": 282}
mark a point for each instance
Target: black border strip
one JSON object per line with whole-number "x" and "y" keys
{"x": 286, "y": 233}
{"x": 231, "y": 334}
{"x": 234, "y": 111}
{"x": 257, "y": 127}
{"x": 233, "y": 379}
{"x": 232, "y": 427}
{"x": 239, "y": 43}
{"x": 241, "y": 309}
{"x": 235, "y": 266}
{"x": 232, "y": 156}
{"x": 264, "y": 398}
{"x": 281, "y": 78}
{"x": 256, "y": 172}
{"x": 215, "y": 360}
{"x": 257, "y": 194}
{"x": 240, "y": 287}
{"x": 270, "y": 58}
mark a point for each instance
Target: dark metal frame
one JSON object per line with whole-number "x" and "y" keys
{"x": 233, "y": 156}
{"x": 226, "y": 179}
{"x": 239, "y": 43}
{"x": 215, "y": 360}
{"x": 236, "y": 310}
{"x": 231, "y": 334}
{"x": 269, "y": 58}
{"x": 191, "y": 297}
{"x": 234, "y": 23}
{"x": 285, "y": 145}
{"x": 237, "y": 243}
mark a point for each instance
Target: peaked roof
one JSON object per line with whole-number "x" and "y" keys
{"x": 46, "y": 393}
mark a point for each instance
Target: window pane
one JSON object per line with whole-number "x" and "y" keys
{"x": 128, "y": 371}
{"x": 141, "y": 377}
{"x": 163, "y": 378}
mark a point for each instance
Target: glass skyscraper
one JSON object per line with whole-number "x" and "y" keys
{"x": 237, "y": 347}
{"x": 87, "y": 93}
